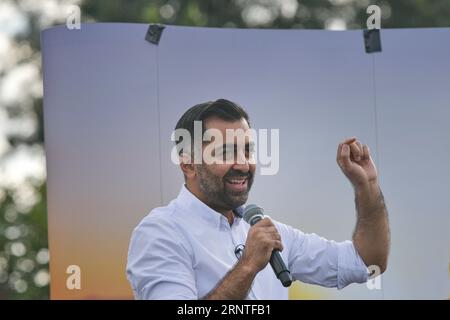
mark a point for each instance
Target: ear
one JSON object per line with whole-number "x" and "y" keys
{"x": 187, "y": 165}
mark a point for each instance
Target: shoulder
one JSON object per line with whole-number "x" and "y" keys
{"x": 288, "y": 231}
{"x": 162, "y": 226}
{"x": 161, "y": 217}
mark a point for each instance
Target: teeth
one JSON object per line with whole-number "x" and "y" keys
{"x": 237, "y": 181}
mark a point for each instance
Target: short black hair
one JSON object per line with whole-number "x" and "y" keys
{"x": 221, "y": 108}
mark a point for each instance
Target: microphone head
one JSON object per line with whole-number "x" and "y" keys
{"x": 252, "y": 211}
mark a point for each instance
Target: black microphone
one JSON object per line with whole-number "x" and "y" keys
{"x": 252, "y": 214}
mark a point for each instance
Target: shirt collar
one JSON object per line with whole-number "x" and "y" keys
{"x": 195, "y": 207}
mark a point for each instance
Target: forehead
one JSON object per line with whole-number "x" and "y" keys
{"x": 223, "y": 125}
{"x": 231, "y": 131}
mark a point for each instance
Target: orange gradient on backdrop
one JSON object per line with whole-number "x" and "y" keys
{"x": 95, "y": 238}
{"x": 102, "y": 265}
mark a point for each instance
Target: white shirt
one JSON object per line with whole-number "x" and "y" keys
{"x": 183, "y": 250}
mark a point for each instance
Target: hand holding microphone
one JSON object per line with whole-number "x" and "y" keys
{"x": 264, "y": 245}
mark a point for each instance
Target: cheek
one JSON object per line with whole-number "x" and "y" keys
{"x": 219, "y": 170}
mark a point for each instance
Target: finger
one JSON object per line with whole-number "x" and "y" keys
{"x": 366, "y": 152}
{"x": 275, "y": 236}
{"x": 349, "y": 140}
{"x": 277, "y": 245}
{"x": 356, "y": 153}
{"x": 345, "y": 156}
{"x": 360, "y": 147}
{"x": 339, "y": 151}
{"x": 265, "y": 222}
{"x": 270, "y": 229}
{"x": 262, "y": 223}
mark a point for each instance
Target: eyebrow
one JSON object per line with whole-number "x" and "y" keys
{"x": 250, "y": 144}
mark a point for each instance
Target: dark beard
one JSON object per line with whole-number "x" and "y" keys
{"x": 218, "y": 195}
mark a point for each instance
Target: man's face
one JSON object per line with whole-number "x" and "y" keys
{"x": 225, "y": 186}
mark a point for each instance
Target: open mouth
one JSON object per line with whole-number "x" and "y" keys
{"x": 238, "y": 184}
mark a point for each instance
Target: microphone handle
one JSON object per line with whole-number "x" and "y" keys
{"x": 280, "y": 269}
{"x": 276, "y": 261}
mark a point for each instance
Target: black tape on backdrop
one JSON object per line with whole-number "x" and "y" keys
{"x": 154, "y": 33}
{"x": 372, "y": 40}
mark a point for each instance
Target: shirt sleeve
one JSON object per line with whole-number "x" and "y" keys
{"x": 316, "y": 260}
{"x": 159, "y": 263}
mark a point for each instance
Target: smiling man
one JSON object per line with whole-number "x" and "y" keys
{"x": 198, "y": 247}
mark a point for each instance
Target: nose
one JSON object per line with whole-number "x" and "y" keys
{"x": 241, "y": 163}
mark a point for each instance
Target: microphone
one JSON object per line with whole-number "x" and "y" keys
{"x": 252, "y": 214}
{"x": 238, "y": 250}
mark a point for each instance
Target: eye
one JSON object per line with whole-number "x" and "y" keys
{"x": 224, "y": 153}
{"x": 250, "y": 150}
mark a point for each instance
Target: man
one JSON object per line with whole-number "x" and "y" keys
{"x": 192, "y": 249}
